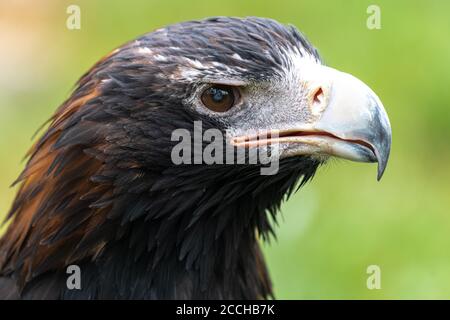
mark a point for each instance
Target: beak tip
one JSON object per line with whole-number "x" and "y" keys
{"x": 380, "y": 173}
{"x": 382, "y": 163}
{"x": 383, "y": 140}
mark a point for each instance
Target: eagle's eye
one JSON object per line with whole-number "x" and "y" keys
{"x": 220, "y": 98}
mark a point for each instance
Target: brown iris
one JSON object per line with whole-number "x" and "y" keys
{"x": 220, "y": 98}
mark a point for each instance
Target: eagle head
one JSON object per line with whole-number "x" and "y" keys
{"x": 101, "y": 189}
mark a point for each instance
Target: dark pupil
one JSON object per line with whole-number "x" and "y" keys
{"x": 218, "y": 94}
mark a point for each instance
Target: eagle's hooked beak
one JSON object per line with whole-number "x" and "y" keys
{"x": 354, "y": 117}
{"x": 348, "y": 120}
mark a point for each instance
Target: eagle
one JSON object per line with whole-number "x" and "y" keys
{"x": 100, "y": 190}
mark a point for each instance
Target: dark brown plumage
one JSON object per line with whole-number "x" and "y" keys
{"x": 100, "y": 189}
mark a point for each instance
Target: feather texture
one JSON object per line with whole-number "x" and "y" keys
{"x": 100, "y": 191}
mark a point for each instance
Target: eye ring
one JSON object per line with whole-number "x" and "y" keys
{"x": 220, "y": 98}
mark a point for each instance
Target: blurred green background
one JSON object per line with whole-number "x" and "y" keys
{"x": 344, "y": 220}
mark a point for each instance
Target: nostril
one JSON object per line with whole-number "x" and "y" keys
{"x": 318, "y": 96}
{"x": 318, "y": 99}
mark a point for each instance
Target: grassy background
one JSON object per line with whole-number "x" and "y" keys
{"x": 344, "y": 220}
